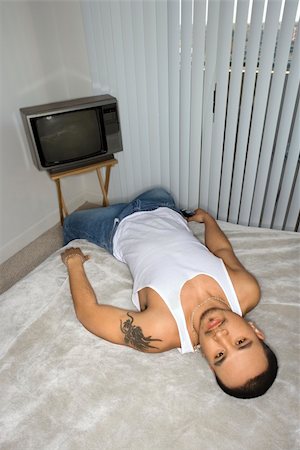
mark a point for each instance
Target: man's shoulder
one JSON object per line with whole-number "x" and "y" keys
{"x": 246, "y": 287}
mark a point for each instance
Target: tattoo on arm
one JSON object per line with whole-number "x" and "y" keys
{"x": 134, "y": 335}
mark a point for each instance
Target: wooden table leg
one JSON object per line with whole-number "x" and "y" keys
{"x": 107, "y": 178}
{"x": 103, "y": 187}
{"x": 60, "y": 200}
{"x": 65, "y": 211}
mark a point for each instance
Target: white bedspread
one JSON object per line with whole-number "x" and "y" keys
{"x": 63, "y": 388}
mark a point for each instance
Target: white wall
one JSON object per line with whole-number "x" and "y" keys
{"x": 43, "y": 59}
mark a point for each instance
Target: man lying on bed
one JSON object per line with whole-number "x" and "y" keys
{"x": 188, "y": 295}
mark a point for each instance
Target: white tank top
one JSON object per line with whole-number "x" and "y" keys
{"x": 162, "y": 253}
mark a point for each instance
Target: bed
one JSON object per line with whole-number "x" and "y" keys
{"x": 64, "y": 388}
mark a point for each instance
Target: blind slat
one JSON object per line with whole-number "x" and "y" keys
{"x": 246, "y": 108}
{"x": 282, "y": 136}
{"x": 112, "y": 15}
{"x": 150, "y": 43}
{"x": 141, "y": 91}
{"x": 288, "y": 176}
{"x": 259, "y": 108}
{"x": 282, "y": 55}
{"x": 185, "y": 97}
{"x": 222, "y": 73}
{"x": 293, "y": 214}
{"x": 238, "y": 52}
{"x": 162, "y": 55}
{"x": 126, "y": 39}
{"x": 208, "y": 98}
{"x": 196, "y": 101}
{"x": 174, "y": 64}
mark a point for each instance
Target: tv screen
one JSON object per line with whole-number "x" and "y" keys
{"x": 68, "y": 136}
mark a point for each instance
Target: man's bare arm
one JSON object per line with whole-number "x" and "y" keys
{"x": 113, "y": 324}
{"x": 216, "y": 241}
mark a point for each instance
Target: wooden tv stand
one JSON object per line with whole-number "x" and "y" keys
{"x": 103, "y": 183}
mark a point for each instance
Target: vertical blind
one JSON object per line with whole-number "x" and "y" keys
{"x": 208, "y": 94}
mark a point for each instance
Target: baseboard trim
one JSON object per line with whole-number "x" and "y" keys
{"x": 32, "y": 233}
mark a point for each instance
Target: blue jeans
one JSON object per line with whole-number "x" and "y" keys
{"x": 99, "y": 225}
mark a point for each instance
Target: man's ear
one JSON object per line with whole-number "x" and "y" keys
{"x": 258, "y": 332}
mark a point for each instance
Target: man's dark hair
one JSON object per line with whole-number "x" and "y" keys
{"x": 255, "y": 387}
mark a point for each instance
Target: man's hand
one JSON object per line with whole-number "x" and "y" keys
{"x": 73, "y": 253}
{"x": 199, "y": 216}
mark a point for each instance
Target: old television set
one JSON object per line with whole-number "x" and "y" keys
{"x": 73, "y": 133}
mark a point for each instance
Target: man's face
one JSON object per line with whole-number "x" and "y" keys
{"x": 232, "y": 347}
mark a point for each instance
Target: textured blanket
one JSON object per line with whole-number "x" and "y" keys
{"x": 63, "y": 388}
